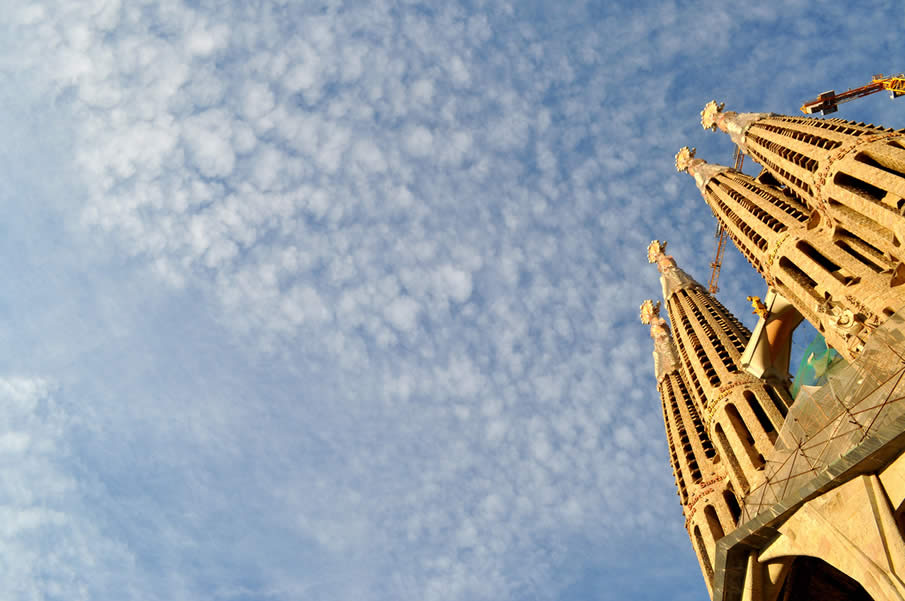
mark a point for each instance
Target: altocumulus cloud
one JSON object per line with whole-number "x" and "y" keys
{"x": 431, "y": 213}
{"x": 45, "y": 528}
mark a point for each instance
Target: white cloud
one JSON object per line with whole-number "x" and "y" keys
{"x": 14, "y": 442}
{"x": 459, "y": 71}
{"x": 257, "y": 101}
{"x": 203, "y": 41}
{"x": 423, "y": 91}
{"x": 369, "y": 156}
{"x": 455, "y": 282}
{"x": 208, "y": 137}
{"x": 51, "y": 544}
{"x": 402, "y": 312}
{"x": 420, "y": 141}
{"x": 303, "y": 76}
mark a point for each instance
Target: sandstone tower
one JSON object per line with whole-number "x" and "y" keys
{"x": 793, "y": 499}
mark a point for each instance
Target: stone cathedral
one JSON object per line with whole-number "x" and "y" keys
{"x": 793, "y": 489}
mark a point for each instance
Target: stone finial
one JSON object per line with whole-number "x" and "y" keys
{"x": 710, "y": 114}
{"x": 684, "y": 157}
{"x": 671, "y": 277}
{"x": 656, "y": 253}
{"x": 665, "y": 359}
{"x": 699, "y": 169}
{"x": 650, "y": 310}
{"x": 659, "y": 331}
{"x": 714, "y": 117}
{"x": 655, "y": 249}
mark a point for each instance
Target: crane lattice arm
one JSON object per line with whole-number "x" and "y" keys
{"x": 829, "y": 102}
{"x": 717, "y": 261}
{"x": 720, "y": 236}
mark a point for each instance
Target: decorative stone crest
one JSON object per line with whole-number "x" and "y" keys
{"x": 650, "y": 311}
{"x": 684, "y": 157}
{"x": 665, "y": 359}
{"x": 710, "y": 114}
{"x": 671, "y": 277}
{"x": 655, "y": 249}
{"x": 701, "y": 170}
{"x": 775, "y": 250}
{"x": 656, "y": 253}
{"x": 714, "y": 117}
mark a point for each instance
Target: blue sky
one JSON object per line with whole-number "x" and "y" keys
{"x": 334, "y": 301}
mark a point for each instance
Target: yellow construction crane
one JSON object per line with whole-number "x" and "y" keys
{"x": 721, "y": 237}
{"x": 829, "y": 102}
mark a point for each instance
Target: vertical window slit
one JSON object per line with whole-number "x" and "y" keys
{"x": 732, "y": 503}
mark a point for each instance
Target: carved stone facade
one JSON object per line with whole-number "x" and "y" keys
{"x": 794, "y": 500}
{"x": 720, "y": 421}
{"x": 843, "y": 286}
{"x": 851, "y": 174}
{"x": 709, "y": 501}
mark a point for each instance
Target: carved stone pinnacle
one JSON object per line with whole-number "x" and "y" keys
{"x": 683, "y": 158}
{"x": 710, "y": 113}
{"x": 655, "y": 249}
{"x": 649, "y": 310}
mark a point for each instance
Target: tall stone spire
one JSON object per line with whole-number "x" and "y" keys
{"x": 741, "y": 414}
{"x": 852, "y": 174}
{"x": 710, "y": 505}
{"x": 844, "y": 287}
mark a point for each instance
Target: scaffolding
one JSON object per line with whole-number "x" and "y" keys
{"x": 828, "y": 422}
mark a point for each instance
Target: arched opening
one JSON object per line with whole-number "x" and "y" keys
{"x": 758, "y": 411}
{"x": 732, "y": 503}
{"x": 812, "y": 579}
{"x": 743, "y": 433}
{"x": 702, "y": 551}
{"x": 726, "y": 450}
{"x": 713, "y": 523}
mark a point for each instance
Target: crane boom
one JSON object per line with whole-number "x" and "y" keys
{"x": 829, "y": 102}
{"x": 713, "y": 285}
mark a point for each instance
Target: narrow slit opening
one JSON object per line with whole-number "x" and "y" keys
{"x": 761, "y": 415}
{"x": 859, "y": 187}
{"x": 732, "y": 503}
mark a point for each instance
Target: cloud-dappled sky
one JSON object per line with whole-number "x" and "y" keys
{"x": 338, "y": 300}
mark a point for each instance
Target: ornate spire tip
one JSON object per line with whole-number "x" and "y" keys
{"x": 649, "y": 310}
{"x": 683, "y": 158}
{"x": 710, "y": 113}
{"x": 655, "y": 249}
